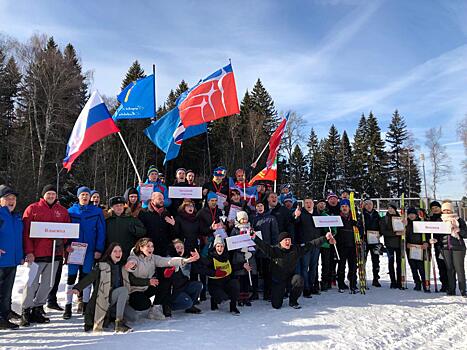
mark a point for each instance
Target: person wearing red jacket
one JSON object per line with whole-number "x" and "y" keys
{"x": 39, "y": 251}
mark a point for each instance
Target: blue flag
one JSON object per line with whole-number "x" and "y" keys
{"x": 168, "y": 133}
{"x": 136, "y": 100}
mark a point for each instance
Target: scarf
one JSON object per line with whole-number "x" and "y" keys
{"x": 188, "y": 217}
{"x": 156, "y": 209}
{"x": 452, "y": 219}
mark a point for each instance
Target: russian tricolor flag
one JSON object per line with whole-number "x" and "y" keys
{"x": 93, "y": 123}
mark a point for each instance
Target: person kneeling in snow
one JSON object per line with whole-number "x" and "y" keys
{"x": 142, "y": 264}
{"x": 284, "y": 258}
{"x": 221, "y": 285}
{"x": 111, "y": 287}
{"x": 184, "y": 293}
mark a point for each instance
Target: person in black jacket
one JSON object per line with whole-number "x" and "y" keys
{"x": 333, "y": 208}
{"x": 454, "y": 249}
{"x": 346, "y": 247}
{"x": 412, "y": 238}
{"x": 158, "y": 223}
{"x": 218, "y": 184}
{"x": 371, "y": 225}
{"x": 435, "y": 209}
{"x": 284, "y": 258}
{"x": 267, "y": 224}
{"x": 221, "y": 285}
{"x": 392, "y": 241}
{"x": 187, "y": 225}
{"x": 180, "y": 181}
{"x": 306, "y": 232}
{"x": 281, "y": 213}
{"x": 183, "y": 292}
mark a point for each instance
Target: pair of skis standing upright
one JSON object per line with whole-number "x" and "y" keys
{"x": 361, "y": 256}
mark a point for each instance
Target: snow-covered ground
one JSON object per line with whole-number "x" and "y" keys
{"x": 381, "y": 319}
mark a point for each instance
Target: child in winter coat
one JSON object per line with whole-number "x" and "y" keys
{"x": 142, "y": 263}
{"x": 111, "y": 288}
{"x": 242, "y": 227}
{"x": 221, "y": 285}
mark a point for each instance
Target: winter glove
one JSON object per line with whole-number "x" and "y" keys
{"x": 220, "y": 273}
{"x": 168, "y": 272}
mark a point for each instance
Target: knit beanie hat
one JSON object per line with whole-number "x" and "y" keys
{"x": 447, "y": 206}
{"x": 242, "y": 215}
{"x": 7, "y": 190}
{"x": 219, "y": 171}
{"x": 345, "y": 202}
{"x": 393, "y": 205}
{"x": 48, "y": 188}
{"x": 411, "y": 210}
{"x": 151, "y": 169}
{"x": 83, "y": 189}
{"x": 332, "y": 194}
{"x": 93, "y": 192}
{"x": 218, "y": 240}
{"x": 435, "y": 204}
{"x": 211, "y": 195}
{"x": 283, "y": 235}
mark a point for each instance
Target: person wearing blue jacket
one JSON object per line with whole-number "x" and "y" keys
{"x": 153, "y": 178}
{"x": 92, "y": 232}
{"x": 11, "y": 252}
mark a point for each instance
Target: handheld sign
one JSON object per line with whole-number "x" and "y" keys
{"x": 53, "y": 230}
{"x": 437, "y": 227}
{"x": 238, "y": 242}
{"x": 145, "y": 191}
{"x": 328, "y": 221}
{"x": 185, "y": 192}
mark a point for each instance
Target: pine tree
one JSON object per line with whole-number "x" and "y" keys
{"x": 10, "y": 78}
{"x": 376, "y": 179}
{"x": 264, "y": 106}
{"x": 298, "y": 172}
{"x": 396, "y": 137}
{"x": 331, "y": 149}
{"x": 360, "y": 156}
{"x": 345, "y": 163}
{"x": 315, "y": 165}
{"x": 134, "y": 73}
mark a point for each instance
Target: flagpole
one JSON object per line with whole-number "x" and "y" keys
{"x": 244, "y": 173}
{"x": 209, "y": 151}
{"x": 257, "y": 160}
{"x": 129, "y": 155}
{"x": 155, "y": 100}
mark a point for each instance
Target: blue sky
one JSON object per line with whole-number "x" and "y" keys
{"x": 329, "y": 60}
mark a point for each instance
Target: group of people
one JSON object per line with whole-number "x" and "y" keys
{"x": 150, "y": 258}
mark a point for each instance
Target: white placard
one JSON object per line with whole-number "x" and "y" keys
{"x": 221, "y": 198}
{"x": 416, "y": 252}
{"x": 145, "y": 191}
{"x": 76, "y": 257}
{"x": 328, "y": 221}
{"x": 431, "y": 227}
{"x": 233, "y": 210}
{"x": 372, "y": 237}
{"x": 53, "y": 230}
{"x": 240, "y": 241}
{"x": 185, "y": 192}
{"x": 397, "y": 224}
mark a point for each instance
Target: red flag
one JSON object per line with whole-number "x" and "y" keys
{"x": 265, "y": 174}
{"x": 275, "y": 142}
{"x": 212, "y": 98}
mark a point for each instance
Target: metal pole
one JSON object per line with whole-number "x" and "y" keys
{"x": 155, "y": 102}
{"x": 52, "y": 275}
{"x": 422, "y": 158}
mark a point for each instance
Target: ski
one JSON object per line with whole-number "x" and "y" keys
{"x": 359, "y": 248}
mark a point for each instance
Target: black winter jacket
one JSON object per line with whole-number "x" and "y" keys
{"x": 284, "y": 218}
{"x": 157, "y": 229}
{"x": 284, "y": 261}
{"x": 391, "y": 240}
{"x": 305, "y": 228}
{"x": 345, "y": 235}
{"x": 188, "y": 229}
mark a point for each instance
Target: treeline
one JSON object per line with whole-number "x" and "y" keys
{"x": 43, "y": 89}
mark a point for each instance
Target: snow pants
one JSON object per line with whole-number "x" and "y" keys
{"x": 7, "y": 279}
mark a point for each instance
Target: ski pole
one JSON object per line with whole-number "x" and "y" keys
{"x": 248, "y": 255}
{"x": 433, "y": 257}
{"x": 335, "y": 248}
